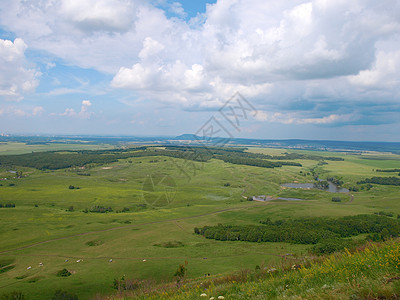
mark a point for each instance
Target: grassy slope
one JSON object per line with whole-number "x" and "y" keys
{"x": 202, "y": 200}
{"x": 369, "y": 273}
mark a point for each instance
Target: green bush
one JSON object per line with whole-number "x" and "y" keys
{"x": 64, "y": 273}
{"x": 13, "y": 296}
{"x": 63, "y": 295}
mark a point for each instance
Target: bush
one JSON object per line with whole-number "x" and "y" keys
{"x": 64, "y": 273}
{"x": 7, "y": 205}
{"x": 336, "y": 199}
{"x": 100, "y": 209}
{"x": 330, "y": 246}
{"x": 63, "y": 295}
{"x": 94, "y": 243}
{"x": 126, "y": 284}
{"x": 13, "y": 296}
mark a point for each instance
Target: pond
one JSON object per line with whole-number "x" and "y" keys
{"x": 333, "y": 188}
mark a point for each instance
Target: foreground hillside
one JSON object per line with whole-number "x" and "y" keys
{"x": 368, "y": 272}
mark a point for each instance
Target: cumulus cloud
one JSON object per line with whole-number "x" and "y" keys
{"x": 15, "y": 78}
{"x": 296, "y": 118}
{"x": 177, "y": 9}
{"x": 84, "y": 113}
{"x": 383, "y": 74}
{"x": 99, "y": 15}
{"x": 16, "y": 111}
{"x": 283, "y": 55}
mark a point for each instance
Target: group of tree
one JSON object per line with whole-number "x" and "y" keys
{"x": 382, "y": 180}
{"x": 335, "y": 180}
{"x": 257, "y": 162}
{"x": 360, "y": 187}
{"x": 53, "y": 160}
{"x": 7, "y": 205}
{"x": 321, "y": 184}
{"x": 98, "y": 209}
{"x": 388, "y": 170}
{"x": 304, "y": 230}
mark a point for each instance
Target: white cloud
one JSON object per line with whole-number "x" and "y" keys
{"x": 177, "y": 9}
{"x": 296, "y": 118}
{"x": 38, "y": 110}
{"x": 274, "y": 52}
{"x": 15, "y": 111}
{"x": 99, "y": 15}
{"x": 84, "y": 113}
{"x": 15, "y": 78}
{"x": 383, "y": 74}
{"x": 69, "y": 112}
{"x": 150, "y": 48}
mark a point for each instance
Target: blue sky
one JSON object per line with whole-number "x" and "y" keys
{"x": 315, "y": 69}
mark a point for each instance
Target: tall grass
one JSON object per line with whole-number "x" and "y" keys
{"x": 369, "y": 272}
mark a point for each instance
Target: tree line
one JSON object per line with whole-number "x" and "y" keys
{"x": 382, "y": 180}
{"x": 303, "y": 231}
{"x": 53, "y": 160}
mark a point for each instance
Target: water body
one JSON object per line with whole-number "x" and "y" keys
{"x": 333, "y": 188}
{"x": 289, "y": 199}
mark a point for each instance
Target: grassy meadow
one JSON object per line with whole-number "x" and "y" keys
{"x": 48, "y": 229}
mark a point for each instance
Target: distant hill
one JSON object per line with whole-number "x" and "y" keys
{"x": 393, "y": 147}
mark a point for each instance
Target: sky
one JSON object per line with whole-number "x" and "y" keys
{"x": 289, "y": 69}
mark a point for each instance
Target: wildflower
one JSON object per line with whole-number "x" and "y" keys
{"x": 203, "y": 295}
{"x": 221, "y": 297}
{"x": 212, "y": 298}
{"x": 271, "y": 270}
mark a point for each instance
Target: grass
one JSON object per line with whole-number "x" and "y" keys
{"x": 40, "y": 229}
{"x": 21, "y": 148}
{"x": 369, "y": 272}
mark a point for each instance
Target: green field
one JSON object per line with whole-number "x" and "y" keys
{"x": 48, "y": 225}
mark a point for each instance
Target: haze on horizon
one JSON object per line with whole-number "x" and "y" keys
{"x": 320, "y": 69}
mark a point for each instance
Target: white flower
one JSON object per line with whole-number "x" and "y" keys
{"x": 212, "y": 298}
{"x": 221, "y": 297}
{"x": 203, "y": 295}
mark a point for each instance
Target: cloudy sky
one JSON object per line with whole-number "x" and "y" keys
{"x": 321, "y": 69}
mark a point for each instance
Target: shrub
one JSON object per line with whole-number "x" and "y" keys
{"x": 126, "y": 284}
{"x": 94, "y": 243}
{"x": 13, "y": 296}
{"x": 64, "y": 273}
{"x": 63, "y": 295}
{"x": 100, "y": 209}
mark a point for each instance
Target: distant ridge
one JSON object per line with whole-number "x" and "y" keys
{"x": 328, "y": 145}
{"x": 192, "y": 139}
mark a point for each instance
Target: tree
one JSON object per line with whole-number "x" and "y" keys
{"x": 180, "y": 272}
{"x": 64, "y": 273}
